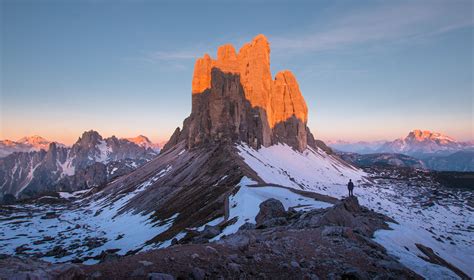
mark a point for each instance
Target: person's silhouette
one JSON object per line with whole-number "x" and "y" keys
{"x": 350, "y": 187}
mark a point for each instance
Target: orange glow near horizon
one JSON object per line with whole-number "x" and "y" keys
{"x": 67, "y": 135}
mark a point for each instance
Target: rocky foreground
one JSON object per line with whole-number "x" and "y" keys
{"x": 332, "y": 243}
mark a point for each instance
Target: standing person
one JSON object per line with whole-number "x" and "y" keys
{"x": 350, "y": 187}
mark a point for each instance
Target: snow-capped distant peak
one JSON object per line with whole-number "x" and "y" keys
{"x": 419, "y": 142}
{"x": 140, "y": 140}
{"x": 144, "y": 142}
{"x": 35, "y": 142}
{"x": 426, "y": 135}
{"x": 35, "y": 139}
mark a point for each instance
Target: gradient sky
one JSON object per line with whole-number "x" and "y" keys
{"x": 368, "y": 69}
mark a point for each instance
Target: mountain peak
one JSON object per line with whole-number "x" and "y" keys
{"x": 91, "y": 137}
{"x": 252, "y": 64}
{"x": 144, "y": 142}
{"x": 426, "y": 135}
{"x": 421, "y": 142}
{"x": 236, "y": 98}
{"x": 139, "y": 140}
{"x": 35, "y": 139}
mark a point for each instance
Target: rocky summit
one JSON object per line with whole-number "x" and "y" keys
{"x": 235, "y": 98}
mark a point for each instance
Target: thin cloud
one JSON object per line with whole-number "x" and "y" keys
{"x": 381, "y": 24}
{"x": 387, "y": 22}
{"x": 178, "y": 60}
{"x": 173, "y": 55}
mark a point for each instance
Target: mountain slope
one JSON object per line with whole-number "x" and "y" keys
{"x": 458, "y": 161}
{"x": 383, "y": 159}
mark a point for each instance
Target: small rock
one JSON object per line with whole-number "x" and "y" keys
{"x": 234, "y": 267}
{"x": 294, "y": 264}
{"x": 96, "y": 274}
{"x": 146, "y": 263}
{"x": 210, "y": 231}
{"x": 50, "y": 215}
{"x": 57, "y": 252}
{"x": 212, "y": 249}
{"x": 160, "y": 276}
{"x": 139, "y": 272}
{"x": 198, "y": 274}
{"x": 247, "y": 226}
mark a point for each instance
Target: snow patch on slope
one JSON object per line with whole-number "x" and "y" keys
{"x": 103, "y": 219}
{"x": 67, "y": 167}
{"x": 28, "y": 179}
{"x": 309, "y": 170}
{"x": 104, "y": 152}
{"x": 245, "y": 203}
{"x": 314, "y": 170}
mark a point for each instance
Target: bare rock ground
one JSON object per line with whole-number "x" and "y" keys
{"x": 332, "y": 243}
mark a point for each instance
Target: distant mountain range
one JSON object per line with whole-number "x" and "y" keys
{"x": 435, "y": 150}
{"x": 382, "y": 159}
{"x": 91, "y": 161}
{"x": 422, "y": 144}
{"x": 37, "y": 143}
{"x": 25, "y": 144}
{"x": 360, "y": 147}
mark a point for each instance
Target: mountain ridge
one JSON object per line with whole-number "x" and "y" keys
{"x": 91, "y": 161}
{"x": 37, "y": 143}
{"x": 416, "y": 142}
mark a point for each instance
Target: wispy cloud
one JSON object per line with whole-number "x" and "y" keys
{"x": 383, "y": 22}
{"x": 172, "y": 55}
{"x": 176, "y": 59}
{"x": 387, "y": 22}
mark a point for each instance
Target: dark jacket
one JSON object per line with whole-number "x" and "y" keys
{"x": 350, "y": 185}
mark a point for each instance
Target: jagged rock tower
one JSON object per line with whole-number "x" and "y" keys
{"x": 236, "y": 99}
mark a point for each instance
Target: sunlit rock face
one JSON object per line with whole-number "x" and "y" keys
{"x": 235, "y": 98}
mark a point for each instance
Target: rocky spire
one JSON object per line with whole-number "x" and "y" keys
{"x": 236, "y": 98}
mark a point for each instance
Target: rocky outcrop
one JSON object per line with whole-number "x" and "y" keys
{"x": 234, "y": 98}
{"x": 270, "y": 210}
{"x": 18, "y": 268}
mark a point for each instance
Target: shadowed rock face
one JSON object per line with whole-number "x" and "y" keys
{"x": 236, "y": 99}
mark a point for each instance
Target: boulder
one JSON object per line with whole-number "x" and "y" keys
{"x": 16, "y": 268}
{"x": 210, "y": 231}
{"x": 270, "y": 209}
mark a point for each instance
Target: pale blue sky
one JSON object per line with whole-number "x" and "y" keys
{"x": 367, "y": 69}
